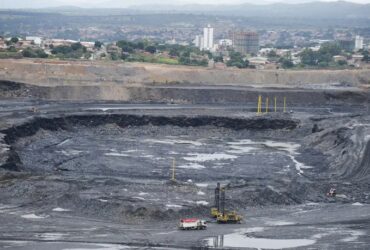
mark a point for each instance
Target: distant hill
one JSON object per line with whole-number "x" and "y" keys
{"x": 322, "y": 10}
{"x": 301, "y": 9}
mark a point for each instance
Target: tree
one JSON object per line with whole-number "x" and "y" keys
{"x": 237, "y": 60}
{"x": 308, "y": 57}
{"x": 185, "y": 60}
{"x": 219, "y": 58}
{"x": 287, "y": 63}
{"x": 174, "y": 52}
{"x": 140, "y": 45}
{"x": 98, "y": 45}
{"x": 125, "y": 46}
{"x": 28, "y": 53}
{"x": 76, "y": 50}
{"x": 272, "y": 54}
{"x": 39, "y": 53}
{"x": 342, "y": 62}
{"x": 12, "y": 49}
{"x": 366, "y": 57}
{"x": 151, "y": 49}
{"x": 330, "y": 48}
{"x": 14, "y": 40}
{"x": 77, "y": 46}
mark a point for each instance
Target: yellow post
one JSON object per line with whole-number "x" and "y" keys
{"x": 259, "y": 105}
{"x": 284, "y": 104}
{"x": 173, "y": 170}
{"x": 275, "y": 104}
{"x": 267, "y": 104}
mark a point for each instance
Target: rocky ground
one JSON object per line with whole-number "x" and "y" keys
{"x": 95, "y": 174}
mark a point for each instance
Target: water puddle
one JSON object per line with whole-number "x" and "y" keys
{"x": 237, "y": 240}
{"x": 116, "y": 154}
{"x": 59, "y": 209}
{"x": 279, "y": 223}
{"x": 202, "y": 203}
{"x": 192, "y": 166}
{"x": 173, "y": 206}
{"x": 34, "y": 216}
{"x": 174, "y": 141}
{"x": 209, "y": 157}
{"x": 52, "y": 236}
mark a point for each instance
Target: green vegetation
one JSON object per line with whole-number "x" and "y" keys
{"x": 8, "y": 54}
{"x": 12, "y": 41}
{"x": 98, "y": 45}
{"x": 366, "y": 55}
{"x": 75, "y": 51}
{"x": 286, "y": 63}
{"x": 323, "y": 57}
{"x": 237, "y": 60}
{"x": 38, "y": 53}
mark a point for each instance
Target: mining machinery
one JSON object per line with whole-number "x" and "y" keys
{"x": 219, "y": 212}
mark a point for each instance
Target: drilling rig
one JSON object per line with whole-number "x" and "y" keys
{"x": 219, "y": 212}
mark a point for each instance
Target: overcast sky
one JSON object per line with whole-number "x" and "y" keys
{"x": 127, "y": 3}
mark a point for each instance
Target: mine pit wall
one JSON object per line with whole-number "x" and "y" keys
{"x": 205, "y": 95}
{"x": 185, "y": 95}
{"x": 11, "y": 161}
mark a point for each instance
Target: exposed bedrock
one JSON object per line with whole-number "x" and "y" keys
{"x": 68, "y": 122}
{"x": 186, "y": 94}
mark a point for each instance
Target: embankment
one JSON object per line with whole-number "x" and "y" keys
{"x": 179, "y": 94}
{"x": 56, "y": 73}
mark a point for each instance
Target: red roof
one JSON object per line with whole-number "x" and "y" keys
{"x": 189, "y": 220}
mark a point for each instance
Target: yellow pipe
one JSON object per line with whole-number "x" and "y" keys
{"x": 267, "y": 104}
{"x": 284, "y": 104}
{"x": 275, "y": 104}
{"x": 173, "y": 169}
{"x": 259, "y": 105}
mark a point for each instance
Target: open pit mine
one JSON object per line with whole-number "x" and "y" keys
{"x": 105, "y": 156}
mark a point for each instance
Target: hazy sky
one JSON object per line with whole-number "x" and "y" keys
{"x": 126, "y": 3}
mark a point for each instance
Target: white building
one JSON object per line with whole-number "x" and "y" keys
{"x": 359, "y": 43}
{"x": 197, "y": 41}
{"x": 35, "y": 39}
{"x": 208, "y": 38}
{"x": 225, "y": 42}
{"x": 201, "y": 44}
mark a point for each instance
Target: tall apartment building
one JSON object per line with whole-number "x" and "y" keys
{"x": 346, "y": 44}
{"x": 359, "y": 43}
{"x": 208, "y": 38}
{"x": 245, "y": 42}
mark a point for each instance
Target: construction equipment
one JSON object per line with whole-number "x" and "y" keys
{"x": 216, "y": 208}
{"x": 219, "y": 212}
{"x": 228, "y": 218}
{"x": 192, "y": 224}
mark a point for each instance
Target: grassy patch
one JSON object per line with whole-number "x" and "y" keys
{"x": 7, "y": 54}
